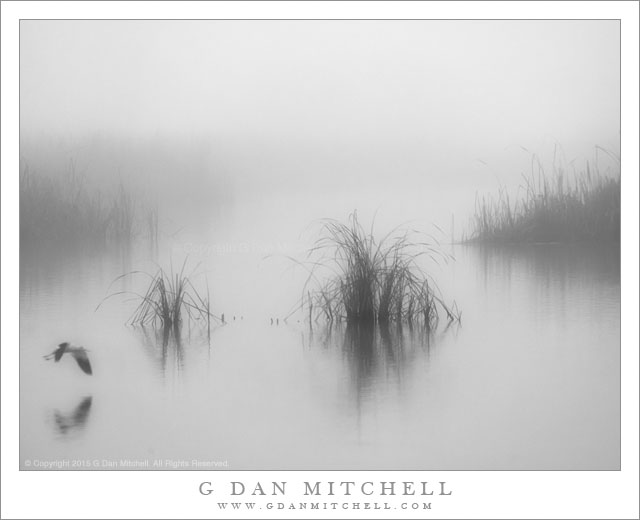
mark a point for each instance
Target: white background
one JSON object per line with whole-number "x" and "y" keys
{"x": 174, "y": 494}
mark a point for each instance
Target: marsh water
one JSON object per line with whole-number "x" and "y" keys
{"x": 530, "y": 379}
{"x": 238, "y": 136}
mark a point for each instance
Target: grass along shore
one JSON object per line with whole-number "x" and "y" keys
{"x": 552, "y": 207}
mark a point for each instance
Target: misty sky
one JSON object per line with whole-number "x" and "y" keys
{"x": 355, "y": 80}
{"x": 320, "y": 98}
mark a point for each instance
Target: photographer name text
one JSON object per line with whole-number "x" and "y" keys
{"x": 331, "y": 488}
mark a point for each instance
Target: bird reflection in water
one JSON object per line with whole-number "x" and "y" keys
{"x": 76, "y": 420}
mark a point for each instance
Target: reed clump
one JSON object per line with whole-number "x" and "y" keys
{"x": 553, "y": 207}
{"x": 63, "y": 210}
{"x": 169, "y": 300}
{"x": 357, "y": 279}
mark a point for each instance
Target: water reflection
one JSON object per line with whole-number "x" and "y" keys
{"x": 359, "y": 346}
{"x": 553, "y": 278}
{"x": 549, "y": 263}
{"x": 375, "y": 355}
{"x": 365, "y": 397}
{"x": 74, "y": 421}
{"x": 164, "y": 346}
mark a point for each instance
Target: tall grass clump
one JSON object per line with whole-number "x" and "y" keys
{"x": 355, "y": 278}
{"x": 170, "y": 299}
{"x": 555, "y": 206}
{"x": 63, "y": 210}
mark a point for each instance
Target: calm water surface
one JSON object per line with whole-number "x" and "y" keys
{"x": 530, "y": 380}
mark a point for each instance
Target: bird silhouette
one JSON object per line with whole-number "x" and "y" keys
{"x": 78, "y": 353}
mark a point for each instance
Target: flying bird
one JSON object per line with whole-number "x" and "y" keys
{"x": 78, "y": 353}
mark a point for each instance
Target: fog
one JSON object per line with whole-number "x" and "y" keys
{"x": 206, "y": 152}
{"x": 330, "y": 106}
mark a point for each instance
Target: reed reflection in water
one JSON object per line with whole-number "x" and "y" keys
{"x": 377, "y": 358}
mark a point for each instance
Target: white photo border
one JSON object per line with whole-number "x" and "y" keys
{"x": 476, "y": 494}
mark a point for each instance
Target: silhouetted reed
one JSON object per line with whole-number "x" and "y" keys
{"x": 555, "y": 207}
{"x": 355, "y": 278}
{"x": 170, "y": 298}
